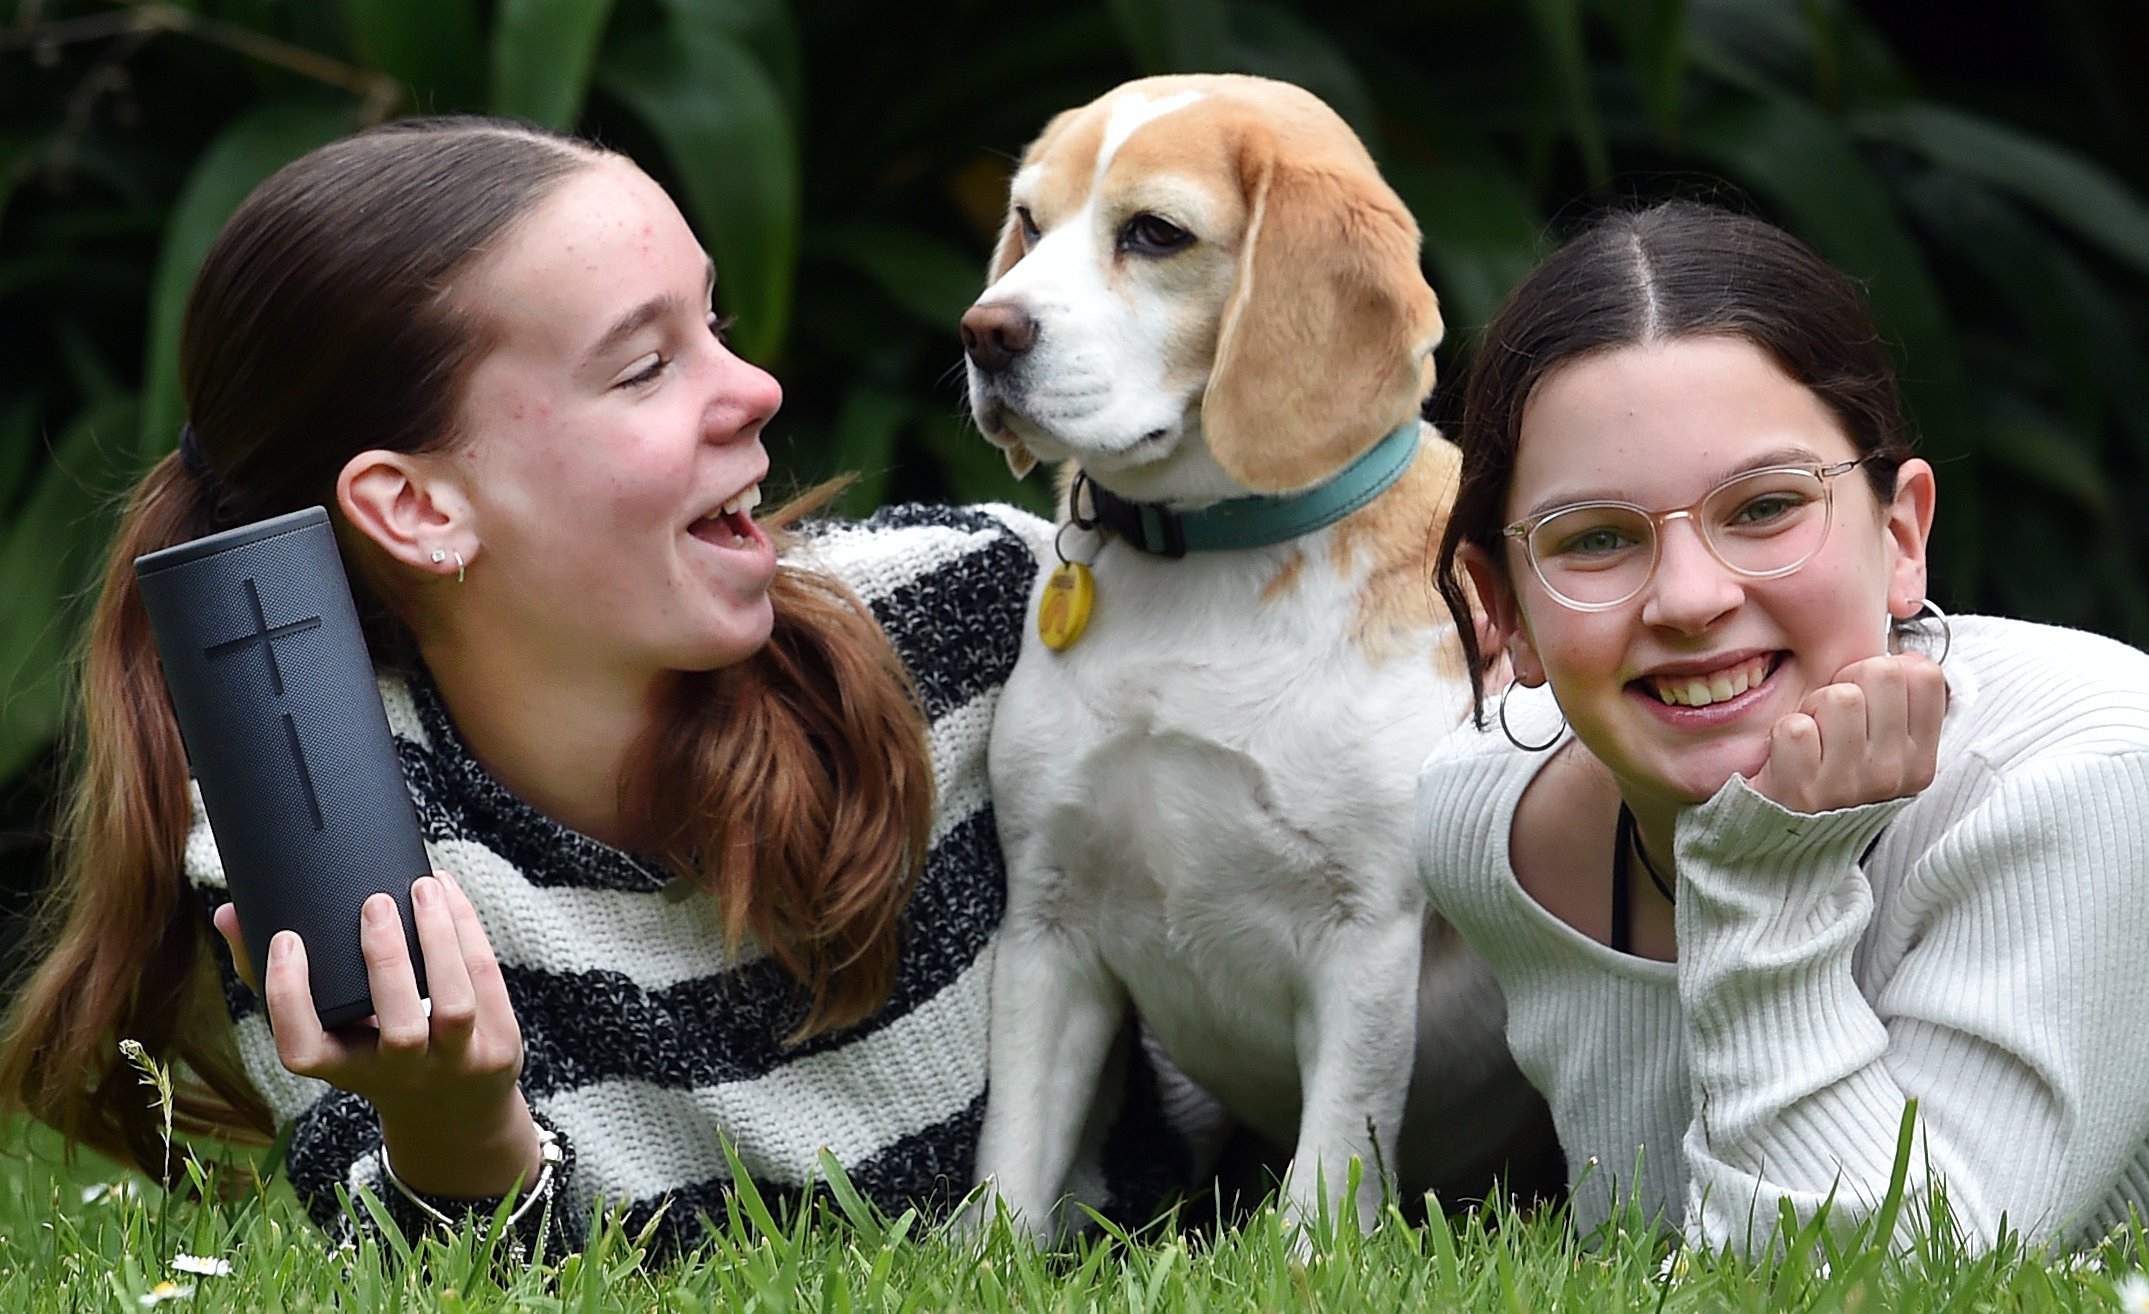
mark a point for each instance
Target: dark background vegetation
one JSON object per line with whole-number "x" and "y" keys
{"x": 1978, "y": 165}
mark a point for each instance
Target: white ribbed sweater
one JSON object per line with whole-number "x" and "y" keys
{"x": 1987, "y": 960}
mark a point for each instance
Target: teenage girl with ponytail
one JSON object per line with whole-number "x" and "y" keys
{"x": 712, "y": 794}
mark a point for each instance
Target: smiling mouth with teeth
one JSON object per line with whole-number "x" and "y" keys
{"x": 1715, "y": 687}
{"x": 732, "y": 520}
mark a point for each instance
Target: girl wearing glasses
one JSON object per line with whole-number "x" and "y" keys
{"x": 1770, "y": 857}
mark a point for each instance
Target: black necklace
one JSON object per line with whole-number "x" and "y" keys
{"x": 1627, "y": 839}
{"x": 1641, "y": 850}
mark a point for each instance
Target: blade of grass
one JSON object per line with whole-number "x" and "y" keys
{"x": 747, "y": 1196}
{"x": 1891, "y": 1204}
{"x": 863, "y": 1217}
{"x": 377, "y": 1213}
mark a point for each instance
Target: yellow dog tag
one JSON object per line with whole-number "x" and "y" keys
{"x": 1063, "y": 613}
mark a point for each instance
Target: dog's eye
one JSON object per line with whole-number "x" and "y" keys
{"x": 1147, "y": 234}
{"x": 1030, "y": 232}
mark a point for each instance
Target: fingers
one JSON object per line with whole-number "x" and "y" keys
{"x": 1887, "y": 722}
{"x": 1926, "y": 697}
{"x": 398, "y": 1010}
{"x": 302, "y": 1043}
{"x": 488, "y": 986}
{"x": 493, "y": 1011}
{"x": 472, "y": 1023}
{"x": 1887, "y": 766}
{"x": 226, "y": 918}
{"x": 1794, "y": 757}
{"x": 1839, "y": 712}
{"x": 464, "y": 1056}
{"x": 447, "y": 979}
{"x": 1905, "y": 704}
{"x": 1873, "y": 734}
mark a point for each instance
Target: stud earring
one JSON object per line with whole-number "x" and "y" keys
{"x": 442, "y": 554}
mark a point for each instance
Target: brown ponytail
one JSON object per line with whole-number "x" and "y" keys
{"x": 126, "y": 939}
{"x": 798, "y": 787}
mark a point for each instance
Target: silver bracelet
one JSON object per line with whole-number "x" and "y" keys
{"x": 549, "y": 1155}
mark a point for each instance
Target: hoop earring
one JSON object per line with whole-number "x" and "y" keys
{"x": 442, "y": 554}
{"x": 1507, "y": 730}
{"x": 1913, "y": 626}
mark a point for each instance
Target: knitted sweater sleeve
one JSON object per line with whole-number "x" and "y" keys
{"x": 2004, "y": 1007}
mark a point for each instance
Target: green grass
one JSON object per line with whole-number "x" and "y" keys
{"x": 88, "y": 1237}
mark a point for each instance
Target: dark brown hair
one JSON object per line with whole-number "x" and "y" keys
{"x": 323, "y": 323}
{"x": 1675, "y": 270}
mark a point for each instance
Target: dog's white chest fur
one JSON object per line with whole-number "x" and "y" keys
{"x": 1211, "y": 786}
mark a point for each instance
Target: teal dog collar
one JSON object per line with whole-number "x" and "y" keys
{"x": 1248, "y": 522}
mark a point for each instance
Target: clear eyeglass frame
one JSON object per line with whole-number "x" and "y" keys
{"x": 1525, "y": 530}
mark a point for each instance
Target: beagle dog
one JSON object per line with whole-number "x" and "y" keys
{"x": 1206, "y": 302}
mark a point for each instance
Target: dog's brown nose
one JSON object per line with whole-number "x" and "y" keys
{"x": 995, "y": 333}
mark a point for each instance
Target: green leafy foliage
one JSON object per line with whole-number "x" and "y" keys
{"x": 844, "y": 160}
{"x": 246, "y": 151}
{"x": 48, "y": 559}
{"x": 543, "y": 52}
{"x": 711, "y": 104}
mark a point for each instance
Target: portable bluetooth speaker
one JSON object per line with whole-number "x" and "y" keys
{"x": 285, "y": 732}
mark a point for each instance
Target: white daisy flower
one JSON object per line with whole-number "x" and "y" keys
{"x": 2133, "y": 1293}
{"x": 201, "y": 1265}
{"x": 105, "y": 1191}
{"x": 164, "y": 1291}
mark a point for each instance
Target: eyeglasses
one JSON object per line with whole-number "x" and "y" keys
{"x": 1762, "y": 524}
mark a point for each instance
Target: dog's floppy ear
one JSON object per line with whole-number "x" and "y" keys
{"x": 1326, "y": 343}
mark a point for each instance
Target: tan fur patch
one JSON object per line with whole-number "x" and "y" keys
{"x": 1065, "y": 158}
{"x": 1286, "y": 577}
{"x": 1399, "y": 533}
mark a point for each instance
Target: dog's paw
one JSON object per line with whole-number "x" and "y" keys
{"x": 985, "y": 1213}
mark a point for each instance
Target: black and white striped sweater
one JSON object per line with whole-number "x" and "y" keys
{"x": 649, "y": 1049}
